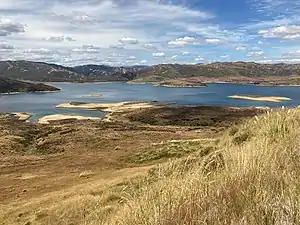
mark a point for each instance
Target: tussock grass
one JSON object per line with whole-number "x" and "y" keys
{"x": 253, "y": 178}
{"x": 174, "y": 149}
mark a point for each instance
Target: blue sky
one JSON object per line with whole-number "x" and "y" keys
{"x": 128, "y": 32}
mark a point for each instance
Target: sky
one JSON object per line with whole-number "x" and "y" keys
{"x": 131, "y": 32}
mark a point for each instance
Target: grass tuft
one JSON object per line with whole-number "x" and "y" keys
{"x": 252, "y": 178}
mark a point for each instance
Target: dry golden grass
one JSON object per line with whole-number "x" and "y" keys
{"x": 252, "y": 179}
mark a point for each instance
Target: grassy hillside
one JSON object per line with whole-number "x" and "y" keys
{"x": 249, "y": 175}
{"x": 251, "y": 178}
{"x": 240, "y": 72}
{"x": 236, "y": 72}
{"x": 9, "y": 85}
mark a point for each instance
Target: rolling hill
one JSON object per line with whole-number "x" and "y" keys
{"x": 246, "y": 72}
{"x": 10, "y": 86}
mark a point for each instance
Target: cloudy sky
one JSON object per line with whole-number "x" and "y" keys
{"x": 128, "y": 32}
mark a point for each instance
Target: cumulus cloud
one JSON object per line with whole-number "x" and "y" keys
{"x": 182, "y": 42}
{"x": 256, "y": 54}
{"x": 241, "y": 48}
{"x": 158, "y": 54}
{"x": 117, "y": 46}
{"x": 199, "y": 58}
{"x": 225, "y": 57}
{"x": 8, "y": 27}
{"x": 131, "y": 58}
{"x": 41, "y": 51}
{"x": 174, "y": 56}
{"x": 129, "y": 40}
{"x": 186, "y": 39}
{"x": 4, "y": 46}
{"x": 185, "y": 53}
{"x": 59, "y": 38}
{"x": 291, "y": 54}
{"x": 143, "y": 62}
{"x": 149, "y": 46}
{"x": 87, "y": 49}
{"x": 214, "y": 41}
{"x": 281, "y": 32}
{"x": 292, "y": 37}
{"x": 177, "y": 43}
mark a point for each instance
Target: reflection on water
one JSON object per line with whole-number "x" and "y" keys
{"x": 41, "y": 104}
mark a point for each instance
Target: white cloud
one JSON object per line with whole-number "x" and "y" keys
{"x": 224, "y": 57}
{"x": 214, "y": 41}
{"x": 129, "y": 40}
{"x": 143, "y": 62}
{"x": 186, "y": 39}
{"x": 42, "y": 51}
{"x": 255, "y": 54}
{"x": 241, "y": 48}
{"x": 292, "y": 37}
{"x": 177, "y": 43}
{"x": 158, "y": 54}
{"x": 117, "y": 46}
{"x": 149, "y": 46}
{"x": 282, "y": 32}
{"x": 271, "y": 61}
{"x": 131, "y": 58}
{"x": 87, "y": 49}
{"x": 59, "y": 38}
{"x": 174, "y": 56}
{"x": 291, "y": 54}
{"x": 185, "y": 53}
{"x": 199, "y": 58}
{"x": 8, "y": 27}
{"x": 4, "y": 46}
{"x": 182, "y": 42}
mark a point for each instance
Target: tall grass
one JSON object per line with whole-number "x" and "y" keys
{"x": 252, "y": 178}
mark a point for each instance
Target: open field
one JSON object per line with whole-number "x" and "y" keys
{"x": 78, "y": 172}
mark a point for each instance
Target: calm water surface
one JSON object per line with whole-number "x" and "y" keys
{"x": 42, "y": 104}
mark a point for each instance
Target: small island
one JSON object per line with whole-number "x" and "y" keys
{"x": 261, "y": 98}
{"x": 10, "y": 86}
{"x": 112, "y": 107}
{"x": 179, "y": 83}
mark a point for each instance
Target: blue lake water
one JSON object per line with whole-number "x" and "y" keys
{"x": 41, "y": 104}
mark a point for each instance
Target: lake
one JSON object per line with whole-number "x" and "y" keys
{"x": 41, "y": 104}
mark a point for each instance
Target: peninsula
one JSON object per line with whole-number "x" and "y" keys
{"x": 14, "y": 86}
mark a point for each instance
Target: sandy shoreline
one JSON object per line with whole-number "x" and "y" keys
{"x": 261, "y": 98}
{"x": 57, "y": 117}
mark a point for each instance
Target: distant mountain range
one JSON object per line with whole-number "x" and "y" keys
{"x": 44, "y": 72}
{"x": 9, "y": 86}
{"x": 225, "y": 71}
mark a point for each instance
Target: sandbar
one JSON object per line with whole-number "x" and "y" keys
{"x": 57, "y": 117}
{"x": 261, "y": 98}
{"x": 111, "y": 107}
